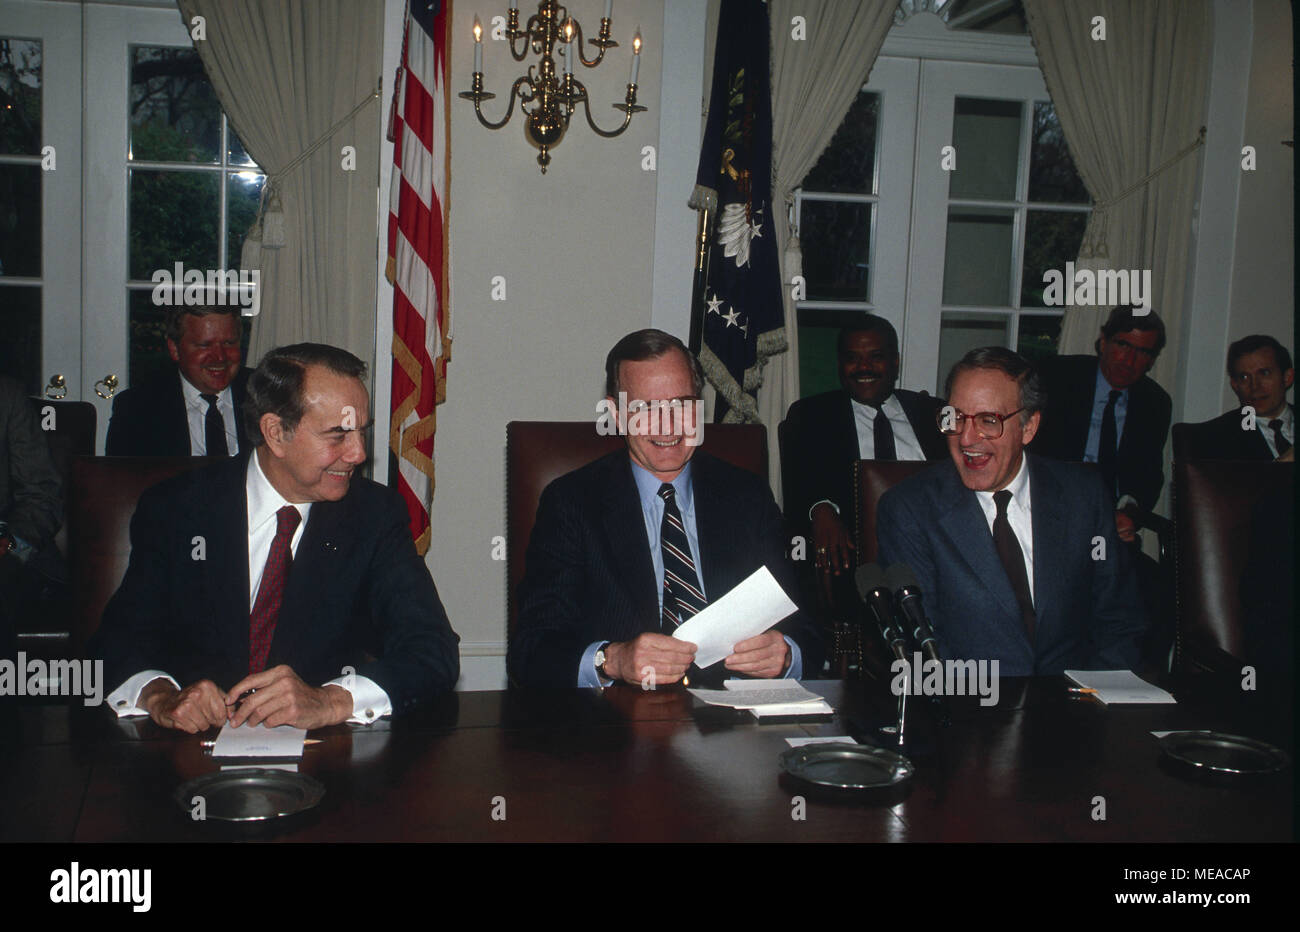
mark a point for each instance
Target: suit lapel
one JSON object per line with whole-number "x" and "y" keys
{"x": 175, "y": 421}
{"x": 224, "y": 569}
{"x": 627, "y": 543}
{"x": 1079, "y": 413}
{"x": 967, "y": 530}
{"x": 1049, "y": 522}
{"x": 846, "y": 428}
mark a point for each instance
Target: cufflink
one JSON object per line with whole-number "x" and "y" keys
{"x": 370, "y": 713}
{"x": 121, "y": 703}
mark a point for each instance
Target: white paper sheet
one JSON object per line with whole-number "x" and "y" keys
{"x": 750, "y": 694}
{"x": 259, "y": 741}
{"x": 1120, "y": 686}
{"x": 745, "y": 612}
{"x": 830, "y": 739}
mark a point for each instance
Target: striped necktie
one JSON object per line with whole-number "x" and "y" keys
{"x": 682, "y": 595}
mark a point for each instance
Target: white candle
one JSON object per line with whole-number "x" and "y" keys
{"x": 609, "y": 6}
{"x": 568, "y": 32}
{"x": 478, "y": 45}
{"x": 514, "y": 4}
{"x": 636, "y": 56}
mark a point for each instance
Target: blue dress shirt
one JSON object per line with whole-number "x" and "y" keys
{"x": 1100, "y": 395}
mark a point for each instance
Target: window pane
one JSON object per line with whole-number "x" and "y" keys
{"x": 977, "y": 261}
{"x": 20, "y": 220}
{"x": 848, "y": 164}
{"x": 243, "y": 191}
{"x": 175, "y": 116}
{"x": 962, "y": 331}
{"x": 986, "y": 134}
{"x": 1039, "y": 335}
{"x": 173, "y": 219}
{"x": 1052, "y": 238}
{"x": 836, "y": 240}
{"x": 237, "y": 154}
{"x": 1052, "y": 175}
{"x": 20, "y": 322}
{"x": 20, "y": 96}
{"x": 147, "y": 344}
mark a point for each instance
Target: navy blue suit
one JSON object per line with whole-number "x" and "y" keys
{"x": 1222, "y": 438}
{"x": 356, "y": 591}
{"x": 589, "y": 576}
{"x": 1088, "y": 612}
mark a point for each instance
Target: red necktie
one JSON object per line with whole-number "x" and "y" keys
{"x": 261, "y": 622}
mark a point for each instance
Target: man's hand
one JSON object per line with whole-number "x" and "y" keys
{"x": 1287, "y": 457}
{"x": 195, "y": 708}
{"x": 831, "y": 540}
{"x": 766, "y": 656}
{"x": 1126, "y": 527}
{"x": 278, "y": 697}
{"x": 667, "y": 656}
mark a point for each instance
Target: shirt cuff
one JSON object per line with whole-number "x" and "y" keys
{"x": 369, "y": 702}
{"x": 1124, "y": 502}
{"x": 124, "y": 700}
{"x": 796, "y": 661}
{"x": 587, "y": 675}
{"x": 824, "y": 501}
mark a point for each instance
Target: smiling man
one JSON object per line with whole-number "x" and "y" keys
{"x": 866, "y": 419}
{"x": 630, "y": 546}
{"x": 279, "y": 587}
{"x": 194, "y": 410}
{"x": 1017, "y": 555}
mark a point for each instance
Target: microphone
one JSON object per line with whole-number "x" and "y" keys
{"x": 874, "y": 591}
{"x": 902, "y": 582}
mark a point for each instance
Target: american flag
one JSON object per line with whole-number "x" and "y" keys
{"x": 417, "y": 255}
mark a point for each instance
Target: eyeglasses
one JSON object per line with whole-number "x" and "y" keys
{"x": 988, "y": 424}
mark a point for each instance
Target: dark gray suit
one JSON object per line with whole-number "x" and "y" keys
{"x": 1088, "y": 612}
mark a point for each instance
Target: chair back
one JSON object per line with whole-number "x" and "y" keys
{"x": 539, "y": 452}
{"x": 872, "y": 479}
{"x": 101, "y": 500}
{"x": 70, "y": 432}
{"x": 1213, "y": 504}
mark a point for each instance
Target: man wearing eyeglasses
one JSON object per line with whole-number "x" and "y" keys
{"x": 1105, "y": 409}
{"x": 628, "y": 547}
{"x": 1017, "y": 555}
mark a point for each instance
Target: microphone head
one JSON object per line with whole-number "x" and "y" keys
{"x": 900, "y": 575}
{"x": 868, "y": 577}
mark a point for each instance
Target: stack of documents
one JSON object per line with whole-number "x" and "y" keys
{"x": 1120, "y": 686}
{"x": 766, "y": 698}
{"x": 259, "y": 741}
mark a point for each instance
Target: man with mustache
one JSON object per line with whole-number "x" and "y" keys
{"x": 867, "y": 419}
{"x": 1017, "y": 555}
{"x": 1260, "y": 373}
{"x": 278, "y": 587}
{"x": 194, "y": 410}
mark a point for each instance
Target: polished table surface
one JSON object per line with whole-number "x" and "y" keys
{"x": 626, "y": 765}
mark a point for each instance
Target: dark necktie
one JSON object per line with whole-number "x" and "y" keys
{"x": 1109, "y": 441}
{"x": 884, "y": 437}
{"x": 261, "y": 621}
{"x": 682, "y": 595}
{"x": 1279, "y": 441}
{"x": 1013, "y": 560}
{"x": 214, "y": 429}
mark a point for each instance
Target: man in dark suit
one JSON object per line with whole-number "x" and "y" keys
{"x": 193, "y": 411}
{"x": 1105, "y": 409}
{"x": 1260, "y": 373}
{"x": 868, "y": 419}
{"x": 1017, "y": 555}
{"x": 259, "y": 576}
{"x": 629, "y": 546}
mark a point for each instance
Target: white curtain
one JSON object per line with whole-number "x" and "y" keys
{"x": 292, "y": 75}
{"x": 816, "y": 76}
{"x": 1132, "y": 107}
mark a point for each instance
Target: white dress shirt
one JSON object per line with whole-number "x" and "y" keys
{"x": 1287, "y": 417}
{"x": 196, "y": 416}
{"x": 906, "y": 446}
{"x": 369, "y": 701}
{"x": 1019, "y": 515}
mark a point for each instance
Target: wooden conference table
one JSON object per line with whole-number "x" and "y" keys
{"x": 627, "y": 765}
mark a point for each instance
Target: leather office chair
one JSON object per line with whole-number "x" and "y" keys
{"x": 101, "y": 500}
{"x": 538, "y": 452}
{"x": 1213, "y": 502}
